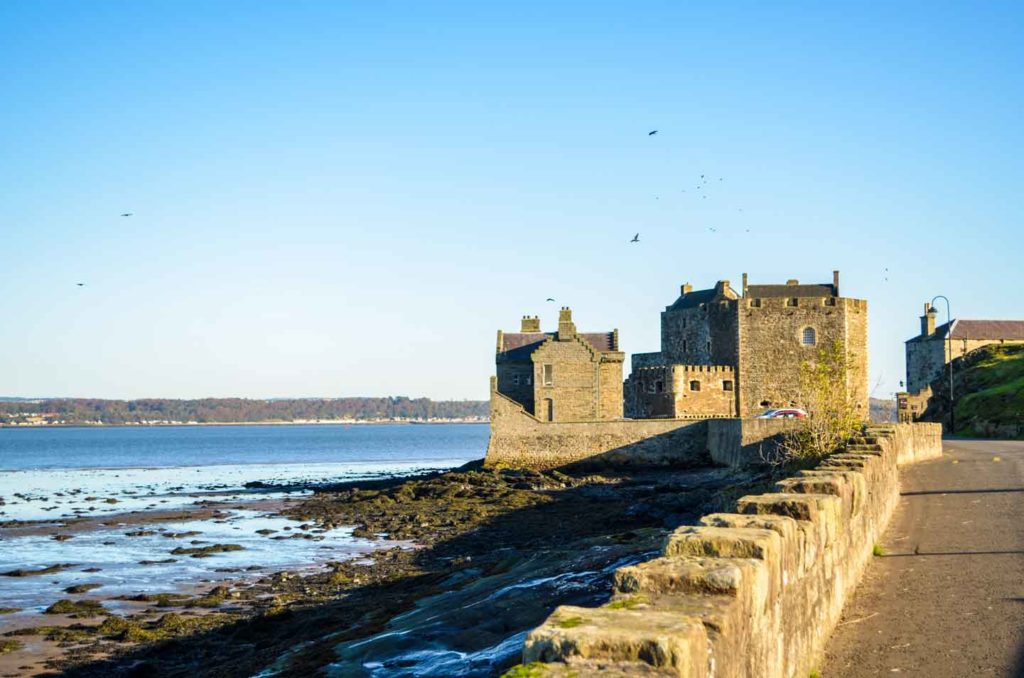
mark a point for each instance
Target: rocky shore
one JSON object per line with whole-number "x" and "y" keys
{"x": 480, "y": 557}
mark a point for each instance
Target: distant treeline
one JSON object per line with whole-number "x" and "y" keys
{"x": 235, "y": 410}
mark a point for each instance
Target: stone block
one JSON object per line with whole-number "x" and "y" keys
{"x": 660, "y": 639}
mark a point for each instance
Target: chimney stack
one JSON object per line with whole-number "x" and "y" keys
{"x": 928, "y": 321}
{"x": 530, "y": 323}
{"x": 744, "y": 284}
{"x": 566, "y": 327}
{"x": 835, "y": 282}
{"x": 685, "y": 289}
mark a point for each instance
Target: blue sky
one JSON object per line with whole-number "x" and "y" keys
{"x": 351, "y": 198}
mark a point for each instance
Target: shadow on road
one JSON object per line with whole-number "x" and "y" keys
{"x": 923, "y": 493}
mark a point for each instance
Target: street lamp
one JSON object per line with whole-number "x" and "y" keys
{"x": 949, "y": 337}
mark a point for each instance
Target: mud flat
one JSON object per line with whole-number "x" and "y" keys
{"x": 494, "y": 552}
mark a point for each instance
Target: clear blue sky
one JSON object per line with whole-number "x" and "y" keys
{"x": 351, "y": 198}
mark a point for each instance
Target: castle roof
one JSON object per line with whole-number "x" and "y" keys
{"x": 693, "y": 299}
{"x": 1012, "y": 330}
{"x": 765, "y": 291}
{"x": 519, "y": 345}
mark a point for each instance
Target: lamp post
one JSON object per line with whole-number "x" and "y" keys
{"x": 949, "y": 338}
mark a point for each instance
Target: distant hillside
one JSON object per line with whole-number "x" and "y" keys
{"x": 882, "y": 411}
{"x": 989, "y": 388}
{"x": 71, "y": 411}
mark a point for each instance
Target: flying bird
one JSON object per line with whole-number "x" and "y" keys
{"x": 127, "y": 214}
{"x": 713, "y": 230}
{"x": 636, "y": 238}
{"x": 80, "y": 284}
{"x": 550, "y": 299}
{"x": 652, "y": 132}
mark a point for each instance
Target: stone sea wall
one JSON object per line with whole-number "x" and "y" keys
{"x": 751, "y": 593}
{"x": 519, "y": 439}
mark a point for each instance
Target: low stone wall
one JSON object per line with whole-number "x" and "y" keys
{"x": 751, "y": 593}
{"x": 744, "y": 442}
{"x": 520, "y": 440}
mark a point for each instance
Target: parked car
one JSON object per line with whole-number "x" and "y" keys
{"x": 783, "y": 413}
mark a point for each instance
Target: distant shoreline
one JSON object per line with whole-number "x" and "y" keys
{"x": 340, "y": 422}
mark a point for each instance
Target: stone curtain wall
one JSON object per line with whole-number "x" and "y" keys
{"x": 751, "y": 593}
{"x": 521, "y": 440}
{"x": 744, "y": 442}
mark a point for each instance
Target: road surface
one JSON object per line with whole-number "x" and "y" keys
{"x": 947, "y": 596}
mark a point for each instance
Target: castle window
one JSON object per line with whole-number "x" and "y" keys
{"x": 709, "y": 347}
{"x": 684, "y": 344}
{"x": 694, "y": 385}
{"x": 549, "y": 375}
{"x": 528, "y": 380}
{"x": 727, "y": 385}
{"x": 650, "y": 387}
{"x": 766, "y": 403}
{"x": 792, "y": 302}
{"x": 830, "y": 301}
{"x": 659, "y": 386}
{"x": 756, "y": 303}
{"x": 809, "y": 337}
{"x": 515, "y": 379}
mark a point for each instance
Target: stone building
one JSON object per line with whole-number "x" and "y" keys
{"x": 736, "y": 353}
{"x": 929, "y": 353}
{"x": 564, "y": 375}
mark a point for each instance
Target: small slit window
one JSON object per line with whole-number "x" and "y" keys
{"x": 549, "y": 376}
{"x": 694, "y": 385}
{"x": 727, "y": 385}
{"x": 809, "y": 337}
{"x": 659, "y": 386}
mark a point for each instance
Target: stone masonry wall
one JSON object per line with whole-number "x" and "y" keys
{"x": 521, "y": 440}
{"x": 582, "y": 386}
{"x": 751, "y": 593}
{"x": 770, "y": 378}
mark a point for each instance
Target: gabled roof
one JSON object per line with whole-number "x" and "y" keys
{"x": 692, "y": 300}
{"x": 519, "y": 345}
{"x": 765, "y": 291}
{"x": 1012, "y": 330}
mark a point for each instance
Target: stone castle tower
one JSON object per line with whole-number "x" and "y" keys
{"x": 737, "y": 353}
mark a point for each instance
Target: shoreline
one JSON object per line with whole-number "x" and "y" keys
{"x": 530, "y": 540}
{"x": 335, "y": 422}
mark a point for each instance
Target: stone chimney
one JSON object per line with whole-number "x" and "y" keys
{"x": 835, "y": 282}
{"x": 722, "y": 288}
{"x": 928, "y": 321}
{"x": 792, "y": 281}
{"x": 744, "y": 284}
{"x": 530, "y": 323}
{"x": 566, "y": 327}
{"x": 685, "y": 289}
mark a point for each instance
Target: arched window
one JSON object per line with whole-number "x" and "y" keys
{"x": 809, "y": 337}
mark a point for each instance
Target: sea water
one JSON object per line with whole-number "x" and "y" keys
{"x": 55, "y": 474}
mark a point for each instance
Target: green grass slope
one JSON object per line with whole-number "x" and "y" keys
{"x": 990, "y": 392}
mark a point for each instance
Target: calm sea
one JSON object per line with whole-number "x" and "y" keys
{"x": 59, "y": 474}
{"x": 172, "y": 446}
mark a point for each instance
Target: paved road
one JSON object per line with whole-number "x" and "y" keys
{"x": 947, "y": 598}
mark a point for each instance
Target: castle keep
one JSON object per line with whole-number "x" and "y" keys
{"x": 737, "y": 353}
{"x": 558, "y": 397}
